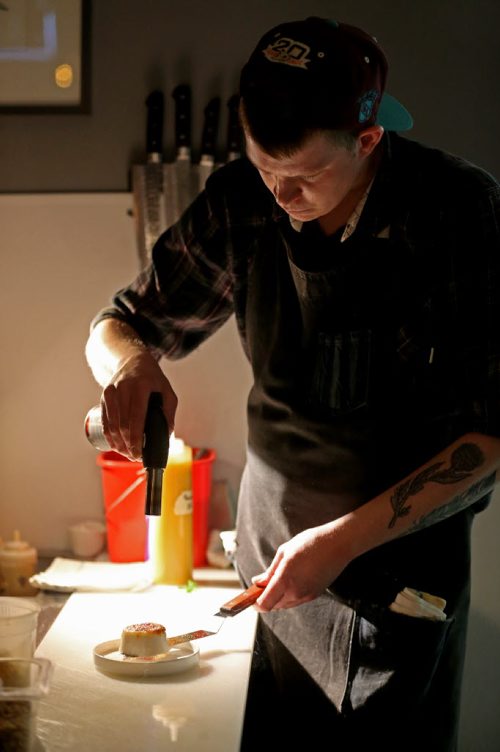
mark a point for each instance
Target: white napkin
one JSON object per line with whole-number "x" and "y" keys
{"x": 417, "y": 603}
{"x": 70, "y": 575}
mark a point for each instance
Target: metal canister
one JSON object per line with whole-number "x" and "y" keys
{"x": 94, "y": 430}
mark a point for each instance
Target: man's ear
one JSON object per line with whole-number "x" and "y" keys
{"x": 369, "y": 139}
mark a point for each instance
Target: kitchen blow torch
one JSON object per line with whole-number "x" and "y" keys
{"x": 154, "y": 447}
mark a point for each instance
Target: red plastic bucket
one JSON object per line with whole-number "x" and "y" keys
{"x": 202, "y": 489}
{"x": 124, "y": 493}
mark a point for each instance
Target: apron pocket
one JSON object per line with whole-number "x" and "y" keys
{"x": 393, "y": 659}
{"x": 341, "y": 366}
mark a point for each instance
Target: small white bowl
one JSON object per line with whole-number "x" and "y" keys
{"x": 87, "y": 538}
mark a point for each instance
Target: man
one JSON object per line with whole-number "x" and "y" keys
{"x": 363, "y": 270}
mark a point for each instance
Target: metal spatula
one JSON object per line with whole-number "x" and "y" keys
{"x": 235, "y": 606}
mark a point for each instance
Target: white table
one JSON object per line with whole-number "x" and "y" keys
{"x": 201, "y": 709}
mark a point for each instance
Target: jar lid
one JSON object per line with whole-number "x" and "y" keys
{"x": 17, "y": 548}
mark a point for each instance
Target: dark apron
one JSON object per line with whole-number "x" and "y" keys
{"x": 342, "y": 407}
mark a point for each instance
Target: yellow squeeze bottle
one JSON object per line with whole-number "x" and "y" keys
{"x": 171, "y": 534}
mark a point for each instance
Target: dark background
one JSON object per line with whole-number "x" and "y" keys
{"x": 444, "y": 60}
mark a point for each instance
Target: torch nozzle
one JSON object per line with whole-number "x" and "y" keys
{"x": 153, "y": 490}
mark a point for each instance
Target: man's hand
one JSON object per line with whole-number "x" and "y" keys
{"x": 125, "y": 399}
{"x": 304, "y": 566}
{"x": 128, "y": 373}
{"x": 450, "y": 482}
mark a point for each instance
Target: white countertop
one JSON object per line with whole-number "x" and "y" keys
{"x": 200, "y": 709}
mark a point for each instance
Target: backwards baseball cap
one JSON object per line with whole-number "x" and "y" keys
{"x": 333, "y": 67}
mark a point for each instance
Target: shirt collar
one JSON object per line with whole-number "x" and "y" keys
{"x": 351, "y": 223}
{"x": 378, "y": 225}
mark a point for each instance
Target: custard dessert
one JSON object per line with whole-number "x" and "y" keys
{"x": 144, "y": 639}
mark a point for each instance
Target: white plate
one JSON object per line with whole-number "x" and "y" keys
{"x": 107, "y": 657}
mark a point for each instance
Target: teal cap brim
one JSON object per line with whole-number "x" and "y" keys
{"x": 392, "y": 115}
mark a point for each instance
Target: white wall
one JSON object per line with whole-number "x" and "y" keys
{"x": 62, "y": 257}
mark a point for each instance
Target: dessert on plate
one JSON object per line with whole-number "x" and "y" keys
{"x": 144, "y": 639}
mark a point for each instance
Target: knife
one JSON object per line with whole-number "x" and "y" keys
{"x": 235, "y": 606}
{"x": 181, "y": 182}
{"x": 147, "y": 181}
{"x": 208, "y": 141}
{"x": 233, "y": 129}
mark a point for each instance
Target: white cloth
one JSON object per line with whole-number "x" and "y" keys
{"x": 70, "y": 575}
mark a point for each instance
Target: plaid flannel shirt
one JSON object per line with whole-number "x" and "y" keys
{"x": 444, "y": 210}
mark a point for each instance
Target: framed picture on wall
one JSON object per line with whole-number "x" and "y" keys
{"x": 44, "y": 56}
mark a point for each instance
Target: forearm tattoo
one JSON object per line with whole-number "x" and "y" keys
{"x": 464, "y": 461}
{"x": 457, "y": 504}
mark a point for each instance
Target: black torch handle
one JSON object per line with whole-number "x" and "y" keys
{"x": 155, "y": 447}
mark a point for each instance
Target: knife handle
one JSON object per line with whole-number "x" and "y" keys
{"x": 233, "y": 129}
{"x": 242, "y": 601}
{"x": 154, "y": 126}
{"x": 182, "y": 98}
{"x": 209, "y": 136}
